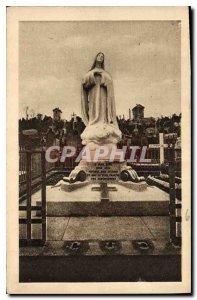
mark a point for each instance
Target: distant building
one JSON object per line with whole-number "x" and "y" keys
{"x": 39, "y": 116}
{"x": 138, "y": 125}
{"x": 138, "y": 112}
{"x": 139, "y": 119}
{"x": 57, "y": 114}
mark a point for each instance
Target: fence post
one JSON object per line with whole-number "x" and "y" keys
{"x": 43, "y": 163}
{"x": 172, "y": 205}
{"x": 28, "y": 166}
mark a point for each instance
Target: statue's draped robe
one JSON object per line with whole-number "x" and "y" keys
{"x": 98, "y": 109}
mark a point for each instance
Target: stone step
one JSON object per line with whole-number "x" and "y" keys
{"x": 117, "y": 208}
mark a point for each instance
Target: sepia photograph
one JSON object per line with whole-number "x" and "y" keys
{"x": 99, "y": 134}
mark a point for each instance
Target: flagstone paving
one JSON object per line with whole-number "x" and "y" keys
{"x": 102, "y": 228}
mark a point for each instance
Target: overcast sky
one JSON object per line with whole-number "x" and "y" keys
{"x": 143, "y": 58}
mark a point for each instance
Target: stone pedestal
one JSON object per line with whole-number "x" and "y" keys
{"x": 130, "y": 199}
{"x": 103, "y": 165}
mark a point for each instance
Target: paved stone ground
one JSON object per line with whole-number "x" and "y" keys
{"x": 102, "y": 228}
{"x": 56, "y": 261}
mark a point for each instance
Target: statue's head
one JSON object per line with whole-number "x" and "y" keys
{"x": 100, "y": 58}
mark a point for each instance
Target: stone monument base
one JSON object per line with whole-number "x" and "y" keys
{"x": 138, "y": 200}
{"x": 103, "y": 171}
{"x": 69, "y": 187}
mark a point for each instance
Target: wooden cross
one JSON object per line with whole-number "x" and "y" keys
{"x": 104, "y": 189}
{"x": 161, "y": 147}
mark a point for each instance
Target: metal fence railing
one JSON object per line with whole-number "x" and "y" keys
{"x": 28, "y": 160}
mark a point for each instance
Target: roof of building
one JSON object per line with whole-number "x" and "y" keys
{"x": 138, "y": 106}
{"x": 57, "y": 108}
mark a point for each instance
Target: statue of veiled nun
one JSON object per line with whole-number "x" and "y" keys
{"x": 98, "y": 106}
